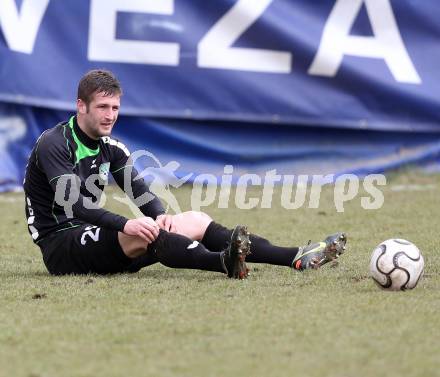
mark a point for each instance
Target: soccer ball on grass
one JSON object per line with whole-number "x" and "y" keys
{"x": 396, "y": 264}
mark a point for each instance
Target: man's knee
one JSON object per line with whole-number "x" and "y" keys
{"x": 192, "y": 224}
{"x": 200, "y": 218}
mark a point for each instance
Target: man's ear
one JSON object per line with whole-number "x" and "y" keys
{"x": 81, "y": 106}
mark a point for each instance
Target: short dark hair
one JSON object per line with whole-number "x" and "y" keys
{"x": 98, "y": 81}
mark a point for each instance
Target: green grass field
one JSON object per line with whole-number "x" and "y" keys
{"x": 164, "y": 322}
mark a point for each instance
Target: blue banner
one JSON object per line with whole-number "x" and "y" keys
{"x": 195, "y": 148}
{"x": 303, "y": 87}
{"x": 360, "y": 64}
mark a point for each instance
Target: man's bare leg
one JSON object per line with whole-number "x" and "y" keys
{"x": 192, "y": 224}
{"x": 175, "y": 251}
{"x": 132, "y": 246}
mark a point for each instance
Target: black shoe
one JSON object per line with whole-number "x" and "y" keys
{"x": 233, "y": 258}
{"x": 318, "y": 254}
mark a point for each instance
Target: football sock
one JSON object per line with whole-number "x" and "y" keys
{"x": 142, "y": 261}
{"x": 217, "y": 237}
{"x": 176, "y": 251}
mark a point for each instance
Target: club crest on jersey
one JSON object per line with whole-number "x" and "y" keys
{"x": 103, "y": 171}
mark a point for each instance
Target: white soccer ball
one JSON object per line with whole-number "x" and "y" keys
{"x": 396, "y": 264}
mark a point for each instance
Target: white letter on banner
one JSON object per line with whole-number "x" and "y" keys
{"x": 103, "y": 45}
{"x": 386, "y": 44}
{"x": 20, "y": 30}
{"x": 215, "y": 51}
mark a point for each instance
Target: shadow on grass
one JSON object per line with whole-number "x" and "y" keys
{"x": 156, "y": 274}
{"x": 172, "y": 274}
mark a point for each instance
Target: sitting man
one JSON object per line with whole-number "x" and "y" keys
{"x": 73, "y": 159}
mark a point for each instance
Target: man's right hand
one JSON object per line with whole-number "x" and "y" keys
{"x": 144, "y": 227}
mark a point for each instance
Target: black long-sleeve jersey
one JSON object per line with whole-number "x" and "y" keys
{"x": 65, "y": 157}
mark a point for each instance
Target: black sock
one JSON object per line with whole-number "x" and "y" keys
{"x": 217, "y": 237}
{"x": 176, "y": 251}
{"x": 142, "y": 261}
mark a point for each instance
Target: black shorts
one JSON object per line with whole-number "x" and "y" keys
{"x": 88, "y": 249}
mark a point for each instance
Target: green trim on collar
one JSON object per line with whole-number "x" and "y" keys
{"x": 82, "y": 151}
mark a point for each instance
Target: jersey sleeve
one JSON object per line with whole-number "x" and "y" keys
{"x": 125, "y": 175}
{"x": 53, "y": 158}
{"x": 56, "y": 161}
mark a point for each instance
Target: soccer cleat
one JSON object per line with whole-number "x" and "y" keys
{"x": 317, "y": 254}
{"x": 233, "y": 257}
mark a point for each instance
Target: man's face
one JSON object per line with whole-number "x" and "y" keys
{"x": 100, "y": 116}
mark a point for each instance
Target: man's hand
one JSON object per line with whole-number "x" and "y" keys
{"x": 165, "y": 222}
{"x": 144, "y": 227}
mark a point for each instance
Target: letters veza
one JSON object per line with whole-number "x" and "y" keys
{"x": 215, "y": 50}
